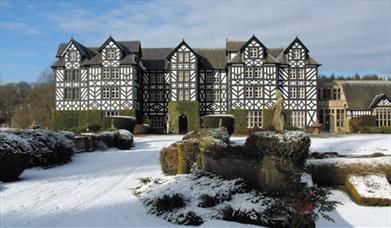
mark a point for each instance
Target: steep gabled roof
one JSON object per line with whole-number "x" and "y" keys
{"x": 355, "y": 90}
{"x": 84, "y": 52}
{"x": 378, "y": 98}
{"x": 250, "y": 40}
{"x": 211, "y": 58}
{"x": 271, "y": 57}
{"x": 293, "y": 42}
{"x": 177, "y": 47}
{"x": 234, "y": 45}
{"x": 156, "y": 58}
{"x": 111, "y": 39}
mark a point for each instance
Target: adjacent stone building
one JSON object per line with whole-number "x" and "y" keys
{"x": 340, "y": 101}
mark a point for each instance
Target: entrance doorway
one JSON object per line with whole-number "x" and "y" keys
{"x": 182, "y": 124}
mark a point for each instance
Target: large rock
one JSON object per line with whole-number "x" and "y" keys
{"x": 291, "y": 145}
{"x": 267, "y": 160}
{"x": 123, "y": 140}
{"x": 216, "y": 133}
{"x": 182, "y": 156}
{"x": 14, "y": 156}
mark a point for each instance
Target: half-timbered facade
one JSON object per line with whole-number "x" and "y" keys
{"x": 121, "y": 75}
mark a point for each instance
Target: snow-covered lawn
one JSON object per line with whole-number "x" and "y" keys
{"x": 95, "y": 189}
{"x": 353, "y": 144}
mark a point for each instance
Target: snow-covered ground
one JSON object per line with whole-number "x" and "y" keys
{"x": 353, "y": 144}
{"x": 95, "y": 189}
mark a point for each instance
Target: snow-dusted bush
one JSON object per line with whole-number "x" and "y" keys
{"x": 107, "y": 137}
{"x": 215, "y": 133}
{"x": 49, "y": 148}
{"x": 195, "y": 198}
{"x": 14, "y": 156}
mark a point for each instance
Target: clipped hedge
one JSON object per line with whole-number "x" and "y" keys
{"x": 267, "y": 116}
{"x": 14, "y": 156}
{"x": 191, "y": 109}
{"x": 375, "y": 130}
{"x": 240, "y": 126}
{"x": 78, "y": 121}
{"x": 213, "y": 121}
{"x": 360, "y": 121}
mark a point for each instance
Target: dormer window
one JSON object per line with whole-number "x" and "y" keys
{"x": 72, "y": 56}
{"x": 111, "y": 53}
{"x": 253, "y": 52}
{"x": 297, "y": 54}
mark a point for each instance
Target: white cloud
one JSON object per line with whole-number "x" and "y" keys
{"x": 341, "y": 35}
{"x": 21, "y": 28}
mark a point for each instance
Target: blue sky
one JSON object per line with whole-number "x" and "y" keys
{"x": 345, "y": 36}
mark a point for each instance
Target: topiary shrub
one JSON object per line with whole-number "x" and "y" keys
{"x": 191, "y": 109}
{"x": 240, "y": 126}
{"x": 49, "y": 148}
{"x": 267, "y": 116}
{"x": 361, "y": 121}
{"x": 216, "y": 121}
{"x": 123, "y": 122}
{"x": 14, "y": 156}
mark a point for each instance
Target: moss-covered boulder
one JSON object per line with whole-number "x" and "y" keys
{"x": 15, "y": 155}
{"x": 188, "y": 109}
{"x": 217, "y": 121}
{"x": 182, "y": 156}
{"x": 291, "y": 145}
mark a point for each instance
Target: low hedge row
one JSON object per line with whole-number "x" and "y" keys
{"x": 375, "y": 130}
{"x": 78, "y": 121}
{"x": 333, "y": 175}
{"x": 361, "y": 121}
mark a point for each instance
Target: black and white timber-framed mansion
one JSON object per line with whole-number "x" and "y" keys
{"x": 121, "y": 75}
{"x": 244, "y": 75}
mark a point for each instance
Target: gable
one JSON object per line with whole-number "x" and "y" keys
{"x": 182, "y": 47}
{"x": 385, "y": 102}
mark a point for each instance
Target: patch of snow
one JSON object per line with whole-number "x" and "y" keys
{"x": 353, "y": 144}
{"x": 307, "y": 179}
{"x": 351, "y": 161}
{"x": 371, "y": 186}
{"x": 350, "y": 214}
